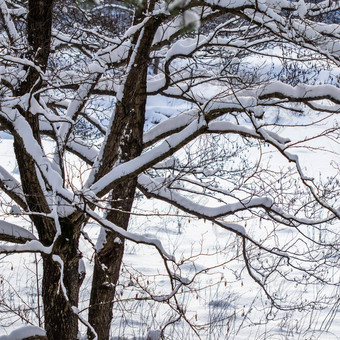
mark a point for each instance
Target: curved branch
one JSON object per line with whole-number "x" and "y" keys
{"x": 10, "y": 232}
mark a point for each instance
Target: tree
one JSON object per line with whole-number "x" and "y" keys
{"x": 58, "y": 63}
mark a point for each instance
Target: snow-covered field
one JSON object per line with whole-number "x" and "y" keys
{"x": 222, "y": 301}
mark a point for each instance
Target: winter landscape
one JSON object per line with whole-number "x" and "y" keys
{"x": 169, "y": 169}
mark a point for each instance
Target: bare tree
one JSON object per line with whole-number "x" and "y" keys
{"x": 57, "y": 62}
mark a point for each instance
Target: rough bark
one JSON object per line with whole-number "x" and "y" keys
{"x": 124, "y": 143}
{"x": 130, "y": 127}
{"x": 60, "y": 321}
{"x": 39, "y": 25}
{"x": 108, "y": 262}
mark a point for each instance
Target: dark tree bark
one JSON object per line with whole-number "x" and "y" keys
{"x": 104, "y": 280}
{"x": 61, "y": 278}
{"x": 127, "y": 133}
{"x": 124, "y": 143}
{"x": 39, "y": 26}
{"x": 60, "y": 321}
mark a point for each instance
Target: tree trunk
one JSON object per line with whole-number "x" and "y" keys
{"x": 108, "y": 261}
{"x": 123, "y": 144}
{"x": 109, "y": 257}
{"x": 60, "y": 320}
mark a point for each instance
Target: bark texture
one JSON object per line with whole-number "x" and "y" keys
{"x": 124, "y": 143}
{"x": 60, "y": 321}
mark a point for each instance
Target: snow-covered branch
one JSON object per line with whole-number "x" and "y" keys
{"x": 10, "y": 232}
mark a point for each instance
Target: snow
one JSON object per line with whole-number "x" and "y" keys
{"x": 219, "y": 127}
{"x": 24, "y": 332}
{"x": 137, "y": 238}
{"x": 154, "y": 335}
{"x": 114, "y": 54}
{"x": 158, "y": 188}
{"x": 11, "y": 229}
{"x": 150, "y": 157}
{"x": 120, "y": 91}
{"x": 302, "y": 9}
{"x": 15, "y": 210}
{"x": 117, "y": 240}
{"x": 199, "y": 213}
{"x": 188, "y": 241}
{"x": 177, "y": 122}
{"x": 75, "y": 106}
{"x": 156, "y": 83}
{"x": 235, "y": 227}
{"x": 174, "y": 4}
{"x": 11, "y": 183}
{"x": 14, "y": 36}
{"x": 302, "y": 91}
{"x": 81, "y": 269}
{"x": 190, "y": 17}
{"x": 33, "y": 246}
{"x": 101, "y": 239}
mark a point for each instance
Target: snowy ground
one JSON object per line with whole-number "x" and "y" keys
{"x": 222, "y": 295}
{"x": 223, "y": 301}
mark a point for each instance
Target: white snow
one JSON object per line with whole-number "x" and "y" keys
{"x": 11, "y": 229}
{"x": 204, "y": 219}
{"x": 24, "y": 332}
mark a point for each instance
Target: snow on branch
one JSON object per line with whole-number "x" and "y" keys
{"x": 79, "y": 148}
{"x": 211, "y": 109}
{"x": 158, "y": 187}
{"x": 12, "y": 187}
{"x": 10, "y": 232}
{"x": 76, "y": 105}
{"x": 26, "y": 332}
{"x": 301, "y": 92}
{"x": 320, "y": 37}
{"x": 129, "y": 235}
{"x": 115, "y": 53}
{"x": 171, "y": 125}
{"x": 135, "y": 166}
{"x": 323, "y": 7}
{"x": 24, "y": 131}
{"x": 33, "y": 246}
{"x": 23, "y": 62}
{"x": 227, "y": 127}
{"x": 294, "y": 158}
{"x": 9, "y": 24}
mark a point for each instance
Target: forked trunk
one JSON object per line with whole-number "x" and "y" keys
{"x": 60, "y": 321}
{"x": 60, "y": 286}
